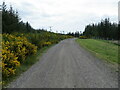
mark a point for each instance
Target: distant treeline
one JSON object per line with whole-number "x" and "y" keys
{"x": 75, "y": 34}
{"x": 103, "y": 30}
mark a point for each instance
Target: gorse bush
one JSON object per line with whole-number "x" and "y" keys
{"x": 14, "y": 51}
{"x": 9, "y": 63}
{"x": 17, "y": 46}
{"x": 47, "y": 43}
{"x": 42, "y": 38}
{"x": 83, "y": 37}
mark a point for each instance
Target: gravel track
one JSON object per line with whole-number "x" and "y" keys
{"x": 67, "y": 65}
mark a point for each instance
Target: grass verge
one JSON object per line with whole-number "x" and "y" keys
{"x": 26, "y": 65}
{"x": 101, "y": 49}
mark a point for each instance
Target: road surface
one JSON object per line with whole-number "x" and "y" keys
{"x": 67, "y": 65}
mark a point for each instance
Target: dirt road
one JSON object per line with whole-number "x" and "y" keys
{"x": 67, "y": 65}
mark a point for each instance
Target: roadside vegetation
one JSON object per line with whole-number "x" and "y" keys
{"x": 102, "y": 39}
{"x": 29, "y": 61}
{"x": 101, "y": 48}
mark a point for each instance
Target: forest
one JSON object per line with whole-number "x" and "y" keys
{"x": 102, "y": 30}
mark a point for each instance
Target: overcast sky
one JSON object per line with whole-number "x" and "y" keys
{"x": 65, "y": 15}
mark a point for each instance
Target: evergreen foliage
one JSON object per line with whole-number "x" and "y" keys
{"x": 103, "y": 30}
{"x": 11, "y": 21}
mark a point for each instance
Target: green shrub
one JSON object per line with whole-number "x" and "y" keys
{"x": 83, "y": 37}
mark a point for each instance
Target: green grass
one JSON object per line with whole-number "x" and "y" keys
{"x": 26, "y": 65}
{"x": 101, "y": 48}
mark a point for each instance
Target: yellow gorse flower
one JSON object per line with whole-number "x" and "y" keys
{"x": 14, "y": 50}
